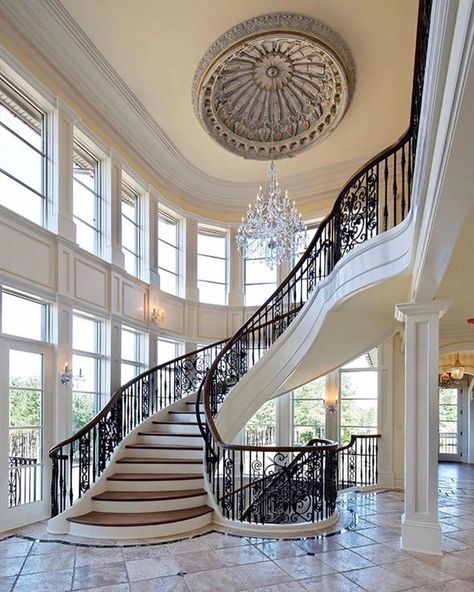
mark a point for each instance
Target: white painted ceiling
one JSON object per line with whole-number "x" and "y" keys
{"x": 155, "y": 47}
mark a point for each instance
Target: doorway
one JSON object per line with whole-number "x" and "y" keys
{"x": 450, "y": 424}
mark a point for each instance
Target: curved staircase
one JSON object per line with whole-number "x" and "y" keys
{"x": 148, "y": 464}
{"x": 155, "y": 485}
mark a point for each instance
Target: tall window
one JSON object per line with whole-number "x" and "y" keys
{"x": 168, "y": 252}
{"x": 212, "y": 265}
{"x": 259, "y": 281}
{"x": 134, "y": 358}
{"x": 260, "y": 430}
{"x": 24, "y": 316}
{"x": 167, "y": 350}
{"x": 23, "y": 155}
{"x": 358, "y": 396}
{"x": 88, "y": 366}
{"x": 87, "y": 199}
{"x": 131, "y": 229}
{"x": 309, "y": 415}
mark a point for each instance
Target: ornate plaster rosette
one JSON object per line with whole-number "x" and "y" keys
{"x": 283, "y": 75}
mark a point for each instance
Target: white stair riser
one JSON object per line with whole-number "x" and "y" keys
{"x": 162, "y": 453}
{"x": 150, "y": 506}
{"x": 167, "y": 485}
{"x": 157, "y": 468}
{"x": 139, "y": 532}
{"x": 183, "y": 417}
{"x": 176, "y": 428}
{"x": 161, "y": 439}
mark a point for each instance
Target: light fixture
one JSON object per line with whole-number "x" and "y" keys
{"x": 67, "y": 376}
{"x": 457, "y": 371}
{"x": 446, "y": 381}
{"x": 274, "y": 231}
{"x": 158, "y": 314}
{"x": 330, "y": 399}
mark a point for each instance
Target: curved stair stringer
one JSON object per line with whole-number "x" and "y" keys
{"x": 153, "y": 486}
{"x": 348, "y": 313}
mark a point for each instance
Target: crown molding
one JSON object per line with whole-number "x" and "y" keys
{"x": 48, "y": 26}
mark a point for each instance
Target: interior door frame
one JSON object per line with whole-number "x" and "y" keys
{"x": 40, "y": 510}
{"x": 461, "y": 428}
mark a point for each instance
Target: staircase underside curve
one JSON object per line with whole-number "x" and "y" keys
{"x": 348, "y": 313}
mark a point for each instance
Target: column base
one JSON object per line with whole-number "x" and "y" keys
{"x": 421, "y": 537}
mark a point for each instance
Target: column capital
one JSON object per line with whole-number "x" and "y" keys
{"x": 408, "y": 310}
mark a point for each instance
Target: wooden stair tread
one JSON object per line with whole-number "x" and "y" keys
{"x": 152, "y": 433}
{"x": 163, "y": 446}
{"x": 139, "y": 518}
{"x": 184, "y": 412}
{"x": 151, "y": 460}
{"x": 153, "y": 476}
{"x": 147, "y": 496}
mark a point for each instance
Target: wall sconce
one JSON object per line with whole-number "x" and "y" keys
{"x": 330, "y": 399}
{"x": 158, "y": 314}
{"x": 67, "y": 376}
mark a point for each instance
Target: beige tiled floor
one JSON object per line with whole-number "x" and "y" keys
{"x": 361, "y": 553}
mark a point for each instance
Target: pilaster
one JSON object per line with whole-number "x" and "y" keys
{"x": 236, "y": 280}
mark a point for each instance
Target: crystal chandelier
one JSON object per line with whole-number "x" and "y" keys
{"x": 274, "y": 231}
{"x": 457, "y": 371}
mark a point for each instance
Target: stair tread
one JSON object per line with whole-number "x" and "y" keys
{"x": 153, "y": 433}
{"x": 164, "y": 446}
{"x": 151, "y": 460}
{"x": 184, "y": 412}
{"x": 145, "y": 496}
{"x": 139, "y": 518}
{"x": 153, "y": 476}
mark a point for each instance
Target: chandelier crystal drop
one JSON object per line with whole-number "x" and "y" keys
{"x": 274, "y": 231}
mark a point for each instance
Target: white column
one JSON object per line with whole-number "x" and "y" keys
{"x": 115, "y": 355}
{"x": 236, "y": 280}
{"x": 385, "y": 413}
{"x": 61, "y": 219}
{"x": 190, "y": 261}
{"x": 420, "y": 527}
{"x": 153, "y": 239}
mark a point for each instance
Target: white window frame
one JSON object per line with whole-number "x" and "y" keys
{"x": 82, "y": 143}
{"x": 274, "y": 284}
{"x": 130, "y": 192}
{"x": 18, "y": 94}
{"x": 223, "y": 234}
{"x": 99, "y": 357}
{"x": 172, "y": 217}
{"x": 140, "y": 361}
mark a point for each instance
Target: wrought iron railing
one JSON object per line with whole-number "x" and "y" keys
{"x": 358, "y": 462}
{"x": 78, "y": 461}
{"x": 24, "y": 480}
{"x": 375, "y": 199}
{"x": 448, "y": 443}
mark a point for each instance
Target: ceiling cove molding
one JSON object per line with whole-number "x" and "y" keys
{"x": 52, "y": 30}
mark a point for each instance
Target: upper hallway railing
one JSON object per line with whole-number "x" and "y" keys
{"x": 376, "y": 198}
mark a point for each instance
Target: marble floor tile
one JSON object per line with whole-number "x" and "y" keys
{"x": 14, "y": 548}
{"x": 229, "y": 556}
{"x": 380, "y": 553}
{"x": 97, "y": 556}
{"x": 344, "y": 559}
{"x": 215, "y": 580}
{"x": 40, "y": 548}
{"x": 145, "y": 569}
{"x": 280, "y": 549}
{"x": 376, "y": 579}
{"x": 56, "y": 581}
{"x": 286, "y": 587}
{"x": 90, "y": 576}
{"x": 49, "y": 563}
{"x": 321, "y": 545}
{"x": 418, "y": 573}
{"x": 353, "y": 539}
{"x": 382, "y": 534}
{"x": 451, "y": 586}
{"x": 304, "y": 566}
{"x": 463, "y": 536}
{"x": 196, "y": 561}
{"x": 6, "y": 584}
{"x": 10, "y": 566}
{"x": 166, "y": 584}
{"x": 112, "y": 588}
{"x": 253, "y": 574}
{"x": 331, "y": 583}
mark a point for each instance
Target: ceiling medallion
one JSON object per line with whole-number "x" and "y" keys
{"x": 288, "y": 67}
